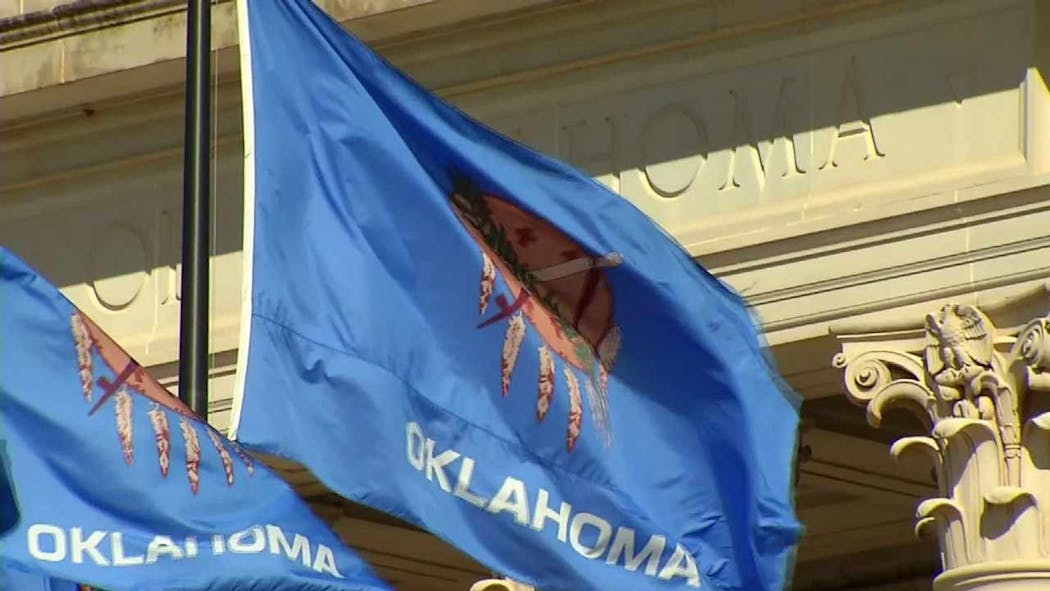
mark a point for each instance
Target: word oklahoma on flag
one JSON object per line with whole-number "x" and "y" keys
{"x": 120, "y": 485}
{"x": 457, "y": 330}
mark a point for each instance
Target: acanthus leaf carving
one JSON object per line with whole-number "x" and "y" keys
{"x": 990, "y": 446}
{"x": 927, "y": 445}
{"x": 1032, "y": 354}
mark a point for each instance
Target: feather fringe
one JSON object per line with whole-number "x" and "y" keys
{"x": 193, "y": 454}
{"x": 249, "y": 463}
{"x": 159, "y": 420}
{"x": 599, "y": 409}
{"x": 227, "y": 463}
{"x": 546, "y": 385}
{"x": 575, "y": 409}
{"x": 488, "y": 282}
{"x": 609, "y": 348}
{"x": 124, "y": 425}
{"x": 83, "y": 341}
{"x": 511, "y": 348}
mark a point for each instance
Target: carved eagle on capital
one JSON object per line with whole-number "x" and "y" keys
{"x": 958, "y": 344}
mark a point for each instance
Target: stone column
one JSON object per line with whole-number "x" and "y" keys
{"x": 500, "y": 585}
{"x": 983, "y": 394}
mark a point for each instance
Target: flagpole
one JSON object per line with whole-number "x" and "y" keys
{"x": 193, "y": 329}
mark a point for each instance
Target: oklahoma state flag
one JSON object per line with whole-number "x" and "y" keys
{"x": 455, "y": 329}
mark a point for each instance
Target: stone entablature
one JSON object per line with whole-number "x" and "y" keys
{"x": 829, "y": 160}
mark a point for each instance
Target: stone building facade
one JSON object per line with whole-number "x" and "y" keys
{"x": 850, "y": 166}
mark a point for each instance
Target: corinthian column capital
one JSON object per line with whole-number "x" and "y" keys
{"x": 500, "y": 585}
{"x": 983, "y": 394}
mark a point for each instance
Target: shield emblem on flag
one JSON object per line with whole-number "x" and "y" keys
{"x": 553, "y": 285}
{"x": 131, "y": 382}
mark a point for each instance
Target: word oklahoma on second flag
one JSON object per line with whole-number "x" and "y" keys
{"x": 118, "y": 484}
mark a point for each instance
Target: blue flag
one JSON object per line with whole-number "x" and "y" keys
{"x": 120, "y": 485}
{"x": 9, "y": 513}
{"x": 457, "y": 330}
{"x": 14, "y": 578}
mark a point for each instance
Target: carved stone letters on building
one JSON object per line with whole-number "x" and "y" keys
{"x": 740, "y": 144}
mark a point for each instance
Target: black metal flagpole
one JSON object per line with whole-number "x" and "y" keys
{"x": 193, "y": 328}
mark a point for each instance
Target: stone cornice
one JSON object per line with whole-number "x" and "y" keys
{"x": 1032, "y": 300}
{"x": 60, "y": 44}
{"x": 76, "y": 17}
{"x": 125, "y": 48}
{"x": 79, "y": 16}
